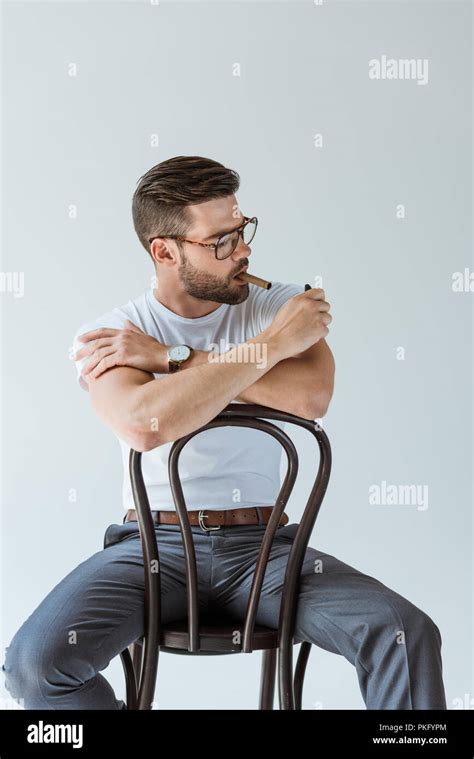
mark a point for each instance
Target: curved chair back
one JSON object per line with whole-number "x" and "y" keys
{"x": 234, "y": 415}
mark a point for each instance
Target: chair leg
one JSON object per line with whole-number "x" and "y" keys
{"x": 267, "y": 679}
{"x": 130, "y": 679}
{"x": 300, "y": 669}
{"x": 286, "y": 696}
{"x": 136, "y": 652}
{"x": 132, "y": 664}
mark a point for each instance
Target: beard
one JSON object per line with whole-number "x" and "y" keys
{"x": 206, "y": 286}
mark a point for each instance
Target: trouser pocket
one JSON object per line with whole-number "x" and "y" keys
{"x": 118, "y": 532}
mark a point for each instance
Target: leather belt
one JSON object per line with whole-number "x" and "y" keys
{"x": 211, "y": 519}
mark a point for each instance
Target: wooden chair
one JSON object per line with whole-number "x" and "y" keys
{"x": 211, "y": 636}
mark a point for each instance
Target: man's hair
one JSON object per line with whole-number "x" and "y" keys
{"x": 159, "y": 205}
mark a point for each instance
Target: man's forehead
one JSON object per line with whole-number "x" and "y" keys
{"x": 208, "y": 219}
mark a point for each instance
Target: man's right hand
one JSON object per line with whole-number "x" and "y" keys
{"x": 300, "y": 323}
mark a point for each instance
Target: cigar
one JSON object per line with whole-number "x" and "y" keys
{"x": 256, "y": 280}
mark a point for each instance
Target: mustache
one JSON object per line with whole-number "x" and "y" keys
{"x": 243, "y": 265}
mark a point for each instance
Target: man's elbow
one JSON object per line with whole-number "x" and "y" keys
{"x": 146, "y": 440}
{"x": 148, "y": 432}
{"x": 154, "y": 442}
{"x": 151, "y": 433}
{"x": 140, "y": 443}
{"x": 143, "y": 442}
{"x": 316, "y": 407}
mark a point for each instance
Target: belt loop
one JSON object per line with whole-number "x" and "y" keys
{"x": 259, "y": 515}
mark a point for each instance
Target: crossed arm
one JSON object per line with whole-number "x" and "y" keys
{"x": 301, "y": 385}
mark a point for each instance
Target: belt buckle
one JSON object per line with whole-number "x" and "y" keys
{"x": 203, "y": 527}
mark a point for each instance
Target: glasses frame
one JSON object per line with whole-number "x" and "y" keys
{"x": 215, "y": 245}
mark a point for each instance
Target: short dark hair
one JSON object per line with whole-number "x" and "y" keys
{"x": 162, "y": 194}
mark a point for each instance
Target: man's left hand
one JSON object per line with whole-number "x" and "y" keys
{"x": 121, "y": 347}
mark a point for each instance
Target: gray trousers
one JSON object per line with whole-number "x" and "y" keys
{"x": 55, "y": 658}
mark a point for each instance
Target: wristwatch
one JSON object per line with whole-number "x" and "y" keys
{"x": 177, "y": 355}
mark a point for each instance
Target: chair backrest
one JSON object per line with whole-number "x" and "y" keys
{"x": 235, "y": 415}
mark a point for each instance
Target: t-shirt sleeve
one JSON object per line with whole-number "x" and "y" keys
{"x": 115, "y": 319}
{"x": 269, "y": 302}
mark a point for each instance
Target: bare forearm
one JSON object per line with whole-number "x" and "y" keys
{"x": 284, "y": 388}
{"x": 288, "y": 386}
{"x": 299, "y": 385}
{"x": 177, "y": 404}
{"x": 270, "y": 389}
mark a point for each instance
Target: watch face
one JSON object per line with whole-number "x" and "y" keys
{"x": 179, "y": 353}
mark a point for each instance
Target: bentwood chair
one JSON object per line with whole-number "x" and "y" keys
{"x": 211, "y": 636}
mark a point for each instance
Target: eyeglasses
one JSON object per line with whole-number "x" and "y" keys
{"x": 227, "y": 242}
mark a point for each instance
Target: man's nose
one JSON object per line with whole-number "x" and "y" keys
{"x": 242, "y": 250}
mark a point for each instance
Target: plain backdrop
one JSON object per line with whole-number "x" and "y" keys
{"x": 95, "y": 94}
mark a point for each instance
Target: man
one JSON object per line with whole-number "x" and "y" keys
{"x": 153, "y": 375}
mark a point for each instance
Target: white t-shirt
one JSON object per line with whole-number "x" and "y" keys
{"x": 221, "y": 468}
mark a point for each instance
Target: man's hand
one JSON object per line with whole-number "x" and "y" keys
{"x": 121, "y": 347}
{"x": 301, "y": 322}
{"x": 303, "y": 382}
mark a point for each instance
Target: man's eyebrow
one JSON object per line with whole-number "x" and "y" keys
{"x": 225, "y": 231}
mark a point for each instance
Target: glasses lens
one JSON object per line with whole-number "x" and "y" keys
{"x": 249, "y": 232}
{"x": 227, "y": 244}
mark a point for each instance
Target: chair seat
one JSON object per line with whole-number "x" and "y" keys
{"x": 216, "y": 635}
